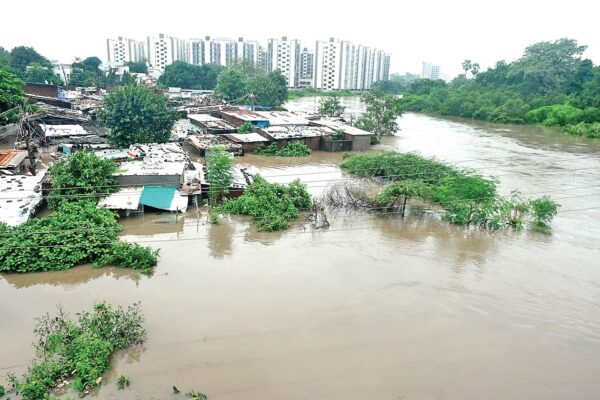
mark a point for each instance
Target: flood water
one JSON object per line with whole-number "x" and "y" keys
{"x": 372, "y": 308}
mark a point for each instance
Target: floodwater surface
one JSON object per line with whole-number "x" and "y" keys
{"x": 371, "y": 308}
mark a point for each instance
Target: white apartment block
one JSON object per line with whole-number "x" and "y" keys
{"x": 334, "y": 64}
{"x": 284, "y": 55}
{"x": 164, "y": 50}
{"x": 341, "y": 64}
{"x": 248, "y": 50}
{"x": 122, "y": 50}
{"x": 430, "y": 71}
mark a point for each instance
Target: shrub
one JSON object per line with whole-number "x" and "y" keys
{"x": 583, "y": 129}
{"x": 79, "y": 350}
{"x": 272, "y": 205}
{"x": 247, "y": 127}
{"x": 129, "y": 255}
{"x": 294, "y": 149}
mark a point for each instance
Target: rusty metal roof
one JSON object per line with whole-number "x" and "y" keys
{"x": 11, "y": 158}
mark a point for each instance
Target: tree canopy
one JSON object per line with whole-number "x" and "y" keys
{"x": 331, "y": 107}
{"x": 382, "y": 110}
{"x": 550, "y": 84}
{"x": 135, "y": 114}
{"x": 189, "y": 76}
{"x": 11, "y": 93}
{"x": 246, "y": 79}
{"x": 138, "y": 67}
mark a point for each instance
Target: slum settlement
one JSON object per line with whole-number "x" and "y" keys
{"x": 168, "y": 176}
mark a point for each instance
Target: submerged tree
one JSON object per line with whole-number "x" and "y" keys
{"x": 331, "y": 107}
{"x": 382, "y": 110}
{"x": 219, "y": 174}
{"x": 135, "y": 114}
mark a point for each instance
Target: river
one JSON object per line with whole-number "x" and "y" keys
{"x": 372, "y": 308}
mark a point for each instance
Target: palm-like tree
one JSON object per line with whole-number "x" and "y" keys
{"x": 474, "y": 69}
{"x": 466, "y": 66}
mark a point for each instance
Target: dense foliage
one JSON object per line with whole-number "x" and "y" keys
{"x": 87, "y": 73}
{"x": 219, "y": 174}
{"x": 382, "y": 110}
{"x": 244, "y": 81}
{"x": 550, "y": 84}
{"x": 294, "y": 149}
{"x": 331, "y": 107}
{"x": 188, "y": 76}
{"x": 78, "y": 350}
{"x": 246, "y": 127}
{"x": 81, "y": 176}
{"x": 272, "y": 205}
{"x": 135, "y": 114}
{"x": 76, "y": 232}
{"x": 467, "y": 198}
{"x": 11, "y": 94}
{"x": 137, "y": 67}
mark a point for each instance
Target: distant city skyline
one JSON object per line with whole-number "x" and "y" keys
{"x": 443, "y": 33}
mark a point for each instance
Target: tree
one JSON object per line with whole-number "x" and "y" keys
{"x": 466, "y": 66}
{"x": 181, "y": 74}
{"x": 87, "y": 73}
{"x": 398, "y": 194}
{"x": 21, "y": 57}
{"x": 138, "y": 67}
{"x": 137, "y": 115}
{"x": 331, "y": 107}
{"x": 246, "y": 127}
{"x": 11, "y": 94}
{"x": 281, "y": 87}
{"x": 4, "y": 57}
{"x": 232, "y": 84}
{"x": 264, "y": 91}
{"x": 82, "y": 176}
{"x": 36, "y": 73}
{"x": 474, "y": 69}
{"x": 382, "y": 110}
{"x": 219, "y": 174}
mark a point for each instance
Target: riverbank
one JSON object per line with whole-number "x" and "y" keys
{"x": 309, "y": 92}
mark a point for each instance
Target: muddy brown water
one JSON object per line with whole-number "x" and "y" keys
{"x": 372, "y": 308}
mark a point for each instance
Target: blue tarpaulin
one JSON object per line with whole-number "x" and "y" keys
{"x": 158, "y": 197}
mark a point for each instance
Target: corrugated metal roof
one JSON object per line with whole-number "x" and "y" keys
{"x": 125, "y": 199}
{"x": 244, "y": 115}
{"x": 11, "y": 158}
{"x": 246, "y": 137}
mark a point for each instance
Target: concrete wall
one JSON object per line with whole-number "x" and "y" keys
{"x": 360, "y": 142}
{"x": 313, "y": 143}
{"x": 336, "y": 145}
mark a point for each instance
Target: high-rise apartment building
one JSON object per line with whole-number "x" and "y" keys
{"x": 164, "y": 50}
{"x": 334, "y": 64}
{"x": 284, "y": 55}
{"x": 430, "y": 71}
{"x": 122, "y": 50}
{"x": 306, "y": 68}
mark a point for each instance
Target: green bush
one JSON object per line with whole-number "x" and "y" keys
{"x": 294, "y": 149}
{"x": 79, "y": 351}
{"x": 272, "y": 205}
{"x": 246, "y": 127}
{"x": 465, "y": 197}
{"x": 129, "y": 255}
{"x": 590, "y": 130}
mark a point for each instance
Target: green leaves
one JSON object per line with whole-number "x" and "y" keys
{"x": 294, "y": 149}
{"x": 79, "y": 351}
{"x": 467, "y": 198}
{"x": 272, "y": 205}
{"x": 219, "y": 174}
{"x": 137, "y": 115}
{"x": 382, "y": 111}
{"x": 331, "y": 107}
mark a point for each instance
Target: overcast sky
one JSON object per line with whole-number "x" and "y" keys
{"x": 444, "y": 32}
